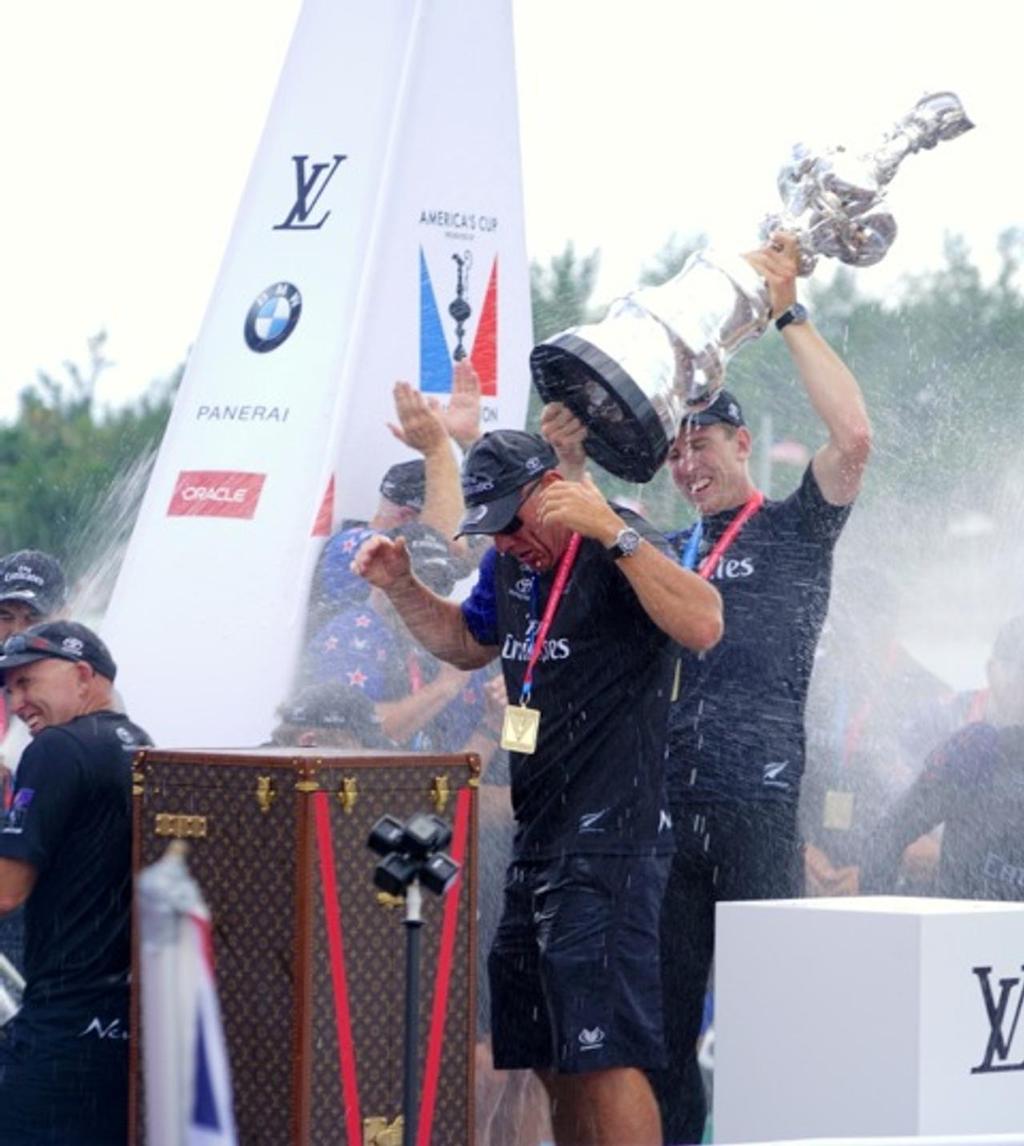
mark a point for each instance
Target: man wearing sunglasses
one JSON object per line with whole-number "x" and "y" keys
{"x": 582, "y": 603}
{"x": 65, "y": 852}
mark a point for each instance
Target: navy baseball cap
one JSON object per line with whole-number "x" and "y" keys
{"x": 63, "y": 640}
{"x": 34, "y": 577}
{"x": 496, "y": 468}
{"x": 722, "y": 408}
{"x": 406, "y": 484}
{"x": 335, "y": 706}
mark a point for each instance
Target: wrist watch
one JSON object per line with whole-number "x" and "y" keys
{"x": 626, "y": 543}
{"x": 797, "y": 313}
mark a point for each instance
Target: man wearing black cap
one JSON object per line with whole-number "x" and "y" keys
{"x": 423, "y": 493}
{"x": 736, "y": 735}
{"x": 582, "y": 606}
{"x": 65, "y": 850}
{"x": 973, "y": 784}
{"x": 331, "y": 715}
{"x": 32, "y": 589}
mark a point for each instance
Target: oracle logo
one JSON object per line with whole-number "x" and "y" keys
{"x": 215, "y": 493}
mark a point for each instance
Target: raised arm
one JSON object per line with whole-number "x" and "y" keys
{"x": 834, "y": 393}
{"x": 421, "y": 428}
{"x": 566, "y": 433}
{"x": 679, "y": 602}
{"x": 437, "y": 623}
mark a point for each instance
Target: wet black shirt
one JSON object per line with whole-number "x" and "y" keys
{"x": 736, "y": 730}
{"x": 974, "y": 785}
{"x": 71, "y": 820}
{"x": 595, "y": 783}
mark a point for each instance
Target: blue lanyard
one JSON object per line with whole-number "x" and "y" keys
{"x": 692, "y": 550}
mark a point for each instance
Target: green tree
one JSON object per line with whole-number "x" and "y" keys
{"x": 62, "y": 464}
{"x": 559, "y": 298}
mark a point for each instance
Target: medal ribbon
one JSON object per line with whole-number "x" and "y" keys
{"x": 555, "y": 596}
{"x": 750, "y": 507}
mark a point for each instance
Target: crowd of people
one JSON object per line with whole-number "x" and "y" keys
{"x": 665, "y": 722}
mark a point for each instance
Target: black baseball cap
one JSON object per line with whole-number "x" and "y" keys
{"x": 496, "y": 468}
{"x": 406, "y": 484}
{"x": 35, "y": 578}
{"x": 722, "y": 407}
{"x": 335, "y": 706}
{"x": 63, "y": 640}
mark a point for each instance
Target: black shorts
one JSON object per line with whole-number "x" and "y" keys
{"x": 55, "y": 1091}
{"x": 574, "y": 972}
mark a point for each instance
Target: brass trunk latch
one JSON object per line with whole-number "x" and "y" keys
{"x": 348, "y": 793}
{"x": 440, "y": 793}
{"x": 180, "y": 826}
{"x": 265, "y": 793}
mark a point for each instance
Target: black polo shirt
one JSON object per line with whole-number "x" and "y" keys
{"x": 737, "y": 726}
{"x": 596, "y": 781}
{"x": 71, "y": 820}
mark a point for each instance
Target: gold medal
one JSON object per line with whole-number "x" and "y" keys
{"x": 838, "y": 810}
{"x": 519, "y": 729}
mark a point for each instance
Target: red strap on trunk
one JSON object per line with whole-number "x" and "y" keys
{"x": 442, "y": 979}
{"x": 342, "y": 1012}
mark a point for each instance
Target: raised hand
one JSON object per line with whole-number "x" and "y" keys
{"x": 566, "y": 433}
{"x": 383, "y": 561}
{"x": 461, "y": 416}
{"x": 778, "y": 262}
{"x": 581, "y": 507}
{"x": 421, "y": 426}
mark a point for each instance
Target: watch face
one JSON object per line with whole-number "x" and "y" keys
{"x": 627, "y": 542}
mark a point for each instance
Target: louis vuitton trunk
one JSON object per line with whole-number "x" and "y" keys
{"x": 310, "y": 956}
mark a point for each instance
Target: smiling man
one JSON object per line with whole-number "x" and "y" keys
{"x": 65, "y": 852}
{"x": 736, "y": 734}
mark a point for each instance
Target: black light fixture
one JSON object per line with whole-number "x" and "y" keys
{"x": 411, "y": 858}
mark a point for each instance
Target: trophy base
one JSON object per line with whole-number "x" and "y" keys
{"x": 625, "y": 435}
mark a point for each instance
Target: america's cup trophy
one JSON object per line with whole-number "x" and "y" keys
{"x": 632, "y": 376}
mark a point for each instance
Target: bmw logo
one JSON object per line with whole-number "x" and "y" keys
{"x": 272, "y": 317}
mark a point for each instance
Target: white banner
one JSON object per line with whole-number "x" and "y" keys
{"x": 386, "y": 187}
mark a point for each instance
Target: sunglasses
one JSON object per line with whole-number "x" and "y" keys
{"x": 516, "y": 522}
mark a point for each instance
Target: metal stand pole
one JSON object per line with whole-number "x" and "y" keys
{"x": 413, "y": 922}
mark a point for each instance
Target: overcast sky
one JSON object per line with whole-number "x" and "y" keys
{"x": 129, "y": 128}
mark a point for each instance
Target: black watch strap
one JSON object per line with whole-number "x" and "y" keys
{"x": 796, "y": 313}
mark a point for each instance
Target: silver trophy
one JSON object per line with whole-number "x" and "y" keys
{"x": 630, "y": 377}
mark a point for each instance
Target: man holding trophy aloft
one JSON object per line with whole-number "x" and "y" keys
{"x": 645, "y": 385}
{"x": 736, "y": 734}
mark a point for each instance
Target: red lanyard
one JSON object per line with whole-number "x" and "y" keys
{"x": 555, "y": 596}
{"x": 750, "y": 507}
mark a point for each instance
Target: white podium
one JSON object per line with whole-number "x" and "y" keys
{"x": 874, "y": 1016}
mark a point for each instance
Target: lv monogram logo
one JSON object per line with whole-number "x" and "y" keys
{"x": 309, "y": 186}
{"x": 998, "y": 1011}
